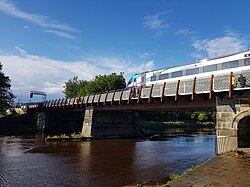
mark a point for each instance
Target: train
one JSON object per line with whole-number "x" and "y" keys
{"x": 236, "y": 63}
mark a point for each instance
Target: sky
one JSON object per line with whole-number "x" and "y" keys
{"x": 45, "y": 43}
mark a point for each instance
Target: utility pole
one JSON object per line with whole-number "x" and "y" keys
{"x": 38, "y": 93}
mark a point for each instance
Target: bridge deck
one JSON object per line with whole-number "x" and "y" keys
{"x": 192, "y": 88}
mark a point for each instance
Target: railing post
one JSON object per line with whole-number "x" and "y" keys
{"x": 99, "y": 98}
{"x": 93, "y": 100}
{"x": 87, "y": 101}
{"x": 120, "y": 101}
{"x": 163, "y": 92}
{"x": 177, "y": 91}
{"x": 64, "y": 106}
{"x": 193, "y": 89}
{"x": 73, "y": 102}
{"x": 57, "y": 104}
{"x": 113, "y": 98}
{"x": 230, "y": 85}
{"x": 139, "y": 95}
{"x": 69, "y": 103}
{"x": 82, "y": 100}
{"x": 51, "y": 104}
{"x": 211, "y": 86}
{"x": 150, "y": 93}
{"x": 105, "y": 100}
{"x": 60, "y": 104}
{"x": 130, "y": 92}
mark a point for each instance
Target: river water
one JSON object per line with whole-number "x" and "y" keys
{"x": 29, "y": 161}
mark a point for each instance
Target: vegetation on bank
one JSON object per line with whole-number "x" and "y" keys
{"x": 160, "y": 122}
{"x": 6, "y": 96}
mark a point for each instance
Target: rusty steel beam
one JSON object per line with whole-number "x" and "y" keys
{"x": 193, "y": 89}
{"x": 230, "y": 85}
{"x": 211, "y": 86}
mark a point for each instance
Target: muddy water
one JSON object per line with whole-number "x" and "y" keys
{"x": 29, "y": 161}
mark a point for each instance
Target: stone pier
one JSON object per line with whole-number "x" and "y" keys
{"x": 232, "y": 122}
{"x": 108, "y": 123}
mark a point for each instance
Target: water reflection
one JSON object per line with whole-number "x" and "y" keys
{"x": 31, "y": 162}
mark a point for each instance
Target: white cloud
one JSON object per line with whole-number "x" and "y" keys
{"x": 184, "y": 32}
{"x": 30, "y": 72}
{"x": 230, "y": 43}
{"x": 157, "y": 22}
{"x": 61, "y": 34}
{"x": 43, "y": 21}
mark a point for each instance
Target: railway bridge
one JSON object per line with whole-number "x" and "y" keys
{"x": 112, "y": 113}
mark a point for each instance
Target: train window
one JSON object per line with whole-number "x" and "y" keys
{"x": 247, "y": 61}
{"x": 210, "y": 68}
{"x": 231, "y": 64}
{"x": 163, "y": 76}
{"x": 177, "y": 74}
{"x": 153, "y": 78}
{"x": 192, "y": 71}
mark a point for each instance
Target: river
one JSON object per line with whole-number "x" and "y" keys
{"x": 29, "y": 161}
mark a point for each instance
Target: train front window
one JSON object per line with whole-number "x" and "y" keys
{"x": 231, "y": 64}
{"x": 129, "y": 82}
{"x": 177, "y": 74}
{"x": 192, "y": 71}
{"x": 210, "y": 68}
{"x": 247, "y": 61}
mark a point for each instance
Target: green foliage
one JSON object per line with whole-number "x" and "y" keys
{"x": 74, "y": 86}
{"x": 203, "y": 116}
{"x": 6, "y": 96}
{"x": 101, "y": 83}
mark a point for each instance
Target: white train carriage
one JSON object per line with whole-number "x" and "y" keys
{"x": 220, "y": 68}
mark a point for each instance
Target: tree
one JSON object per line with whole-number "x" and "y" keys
{"x": 73, "y": 87}
{"x": 101, "y": 83}
{"x": 6, "y": 96}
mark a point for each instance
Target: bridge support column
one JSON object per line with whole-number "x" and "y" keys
{"x": 41, "y": 121}
{"x": 230, "y": 112}
{"x": 88, "y": 122}
{"x": 108, "y": 123}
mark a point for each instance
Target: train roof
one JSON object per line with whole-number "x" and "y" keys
{"x": 199, "y": 61}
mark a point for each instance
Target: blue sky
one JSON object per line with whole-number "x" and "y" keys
{"x": 45, "y": 43}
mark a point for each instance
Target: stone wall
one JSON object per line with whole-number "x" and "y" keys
{"x": 230, "y": 111}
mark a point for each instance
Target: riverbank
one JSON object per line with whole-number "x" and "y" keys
{"x": 228, "y": 169}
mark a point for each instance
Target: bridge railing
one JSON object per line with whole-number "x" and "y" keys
{"x": 168, "y": 89}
